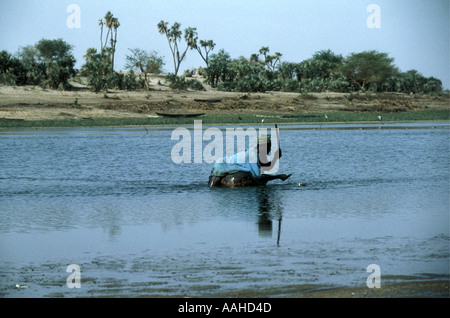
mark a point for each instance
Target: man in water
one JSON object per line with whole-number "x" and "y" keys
{"x": 246, "y": 168}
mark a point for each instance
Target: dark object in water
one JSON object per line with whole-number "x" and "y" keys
{"x": 179, "y": 115}
{"x": 243, "y": 179}
{"x": 238, "y": 180}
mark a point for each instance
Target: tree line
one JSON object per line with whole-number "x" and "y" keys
{"x": 324, "y": 71}
{"x": 51, "y": 64}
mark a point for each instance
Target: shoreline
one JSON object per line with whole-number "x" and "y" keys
{"x": 360, "y": 125}
{"x": 392, "y": 286}
{"x": 34, "y": 107}
{"x": 400, "y": 287}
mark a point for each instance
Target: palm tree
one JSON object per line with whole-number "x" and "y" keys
{"x": 100, "y": 24}
{"x": 208, "y": 46}
{"x": 162, "y": 27}
{"x": 112, "y": 24}
{"x": 108, "y": 22}
{"x": 173, "y": 36}
{"x": 115, "y": 25}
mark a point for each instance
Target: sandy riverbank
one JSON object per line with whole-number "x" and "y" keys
{"x": 34, "y": 103}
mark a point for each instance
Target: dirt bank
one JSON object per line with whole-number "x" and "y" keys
{"x": 35, "y": 103}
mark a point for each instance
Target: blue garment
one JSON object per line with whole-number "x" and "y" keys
{"x": 246, "y": 161}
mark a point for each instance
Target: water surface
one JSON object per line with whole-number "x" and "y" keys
{"x": 112, "y": 201}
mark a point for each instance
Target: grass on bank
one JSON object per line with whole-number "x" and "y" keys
{"x": 243, "y": 118}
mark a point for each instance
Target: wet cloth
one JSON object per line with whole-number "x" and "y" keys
{"x": 245, "y": 161}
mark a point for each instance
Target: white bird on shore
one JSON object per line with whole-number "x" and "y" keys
{"x": 379, "y": 117}
{"x": 326, "y": 116}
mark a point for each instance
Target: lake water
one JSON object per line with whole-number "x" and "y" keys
{"x": 112, "y": 201}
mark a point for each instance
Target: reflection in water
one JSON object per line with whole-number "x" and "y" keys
{"x": 270, "y": 208}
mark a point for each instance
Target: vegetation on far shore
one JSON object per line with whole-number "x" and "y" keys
{"x": 50, "y": 64}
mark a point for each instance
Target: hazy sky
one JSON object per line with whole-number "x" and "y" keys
{"x": 414, "y": 32}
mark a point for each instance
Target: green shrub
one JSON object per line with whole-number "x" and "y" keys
{"x": 189, "y": 73}
{"x": 195, "y": 85}
{"x": 98, "y": 70}
{"x": 145, "y": 63}
{"x": 58, "y": 72}
{"x": 412, "y": 82}
{"x": 7, "y": 79}
{"x": 180, "y": 83}
{"x": 12, "y": 70}
{"x": 130, "y": 81}
{"x": 290, "y": 85}
{"x": 176, "y": 82}
{"x": 53, "y": 63}
{"x": 48, "y": 63}
{"x": 338, "y": 83}
{"x": 218, "y": 69}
